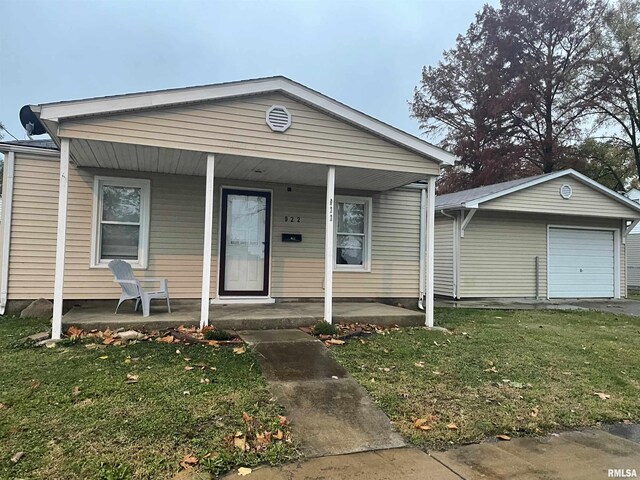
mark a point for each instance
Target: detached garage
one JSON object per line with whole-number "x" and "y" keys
{"x": 558, "y": 235}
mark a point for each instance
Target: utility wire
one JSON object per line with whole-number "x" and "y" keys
{"x": 11, "y": 134}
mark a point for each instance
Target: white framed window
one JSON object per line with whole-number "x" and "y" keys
{"x": 120, "y": 221}
{"x": 352, "y": 234}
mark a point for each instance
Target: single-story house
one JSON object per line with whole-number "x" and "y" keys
{"x": 242, "y": 192}
{"x": 557, "y": 235}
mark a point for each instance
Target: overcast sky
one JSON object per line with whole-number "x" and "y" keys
{"x": 367, "y": 54}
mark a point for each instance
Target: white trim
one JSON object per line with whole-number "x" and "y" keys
{"x": 616, "y": 254}
{"x": 7, "y": 205}
{"x": 242, "y": 300}
{"x": 61, "y": 237}
{"x": 366, "y": 254}
{"x": 431, "y": 215}
{"x": 456, "y": 251}
{"x": 551, "y": 176}
{"x": 222, "y": 299}
{"x": 466, "y": 219}
{"x": 329, "y": 244}
{"x": 136, "y": 101}
{"x": 422, "y": 242}
{"x": 145, "y": 216}
{"x": 45, "y": 152}
{"x": 208, "y": 232}
{"x": 627, "y": 229}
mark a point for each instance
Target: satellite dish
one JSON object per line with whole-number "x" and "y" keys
{"x": 30, "y": 122}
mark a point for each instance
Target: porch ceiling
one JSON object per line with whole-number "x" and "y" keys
{"x": 121, "y": 156}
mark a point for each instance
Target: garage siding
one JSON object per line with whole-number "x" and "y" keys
{"x": 176, "y": 237}
{"x": 444, "y": 256}
{"x": 633, "y": 260}
{"x": 545, "y": 197}
{"x": 498, "y": 252}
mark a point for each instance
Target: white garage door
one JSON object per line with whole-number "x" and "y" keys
{"x": 581, "y": 263}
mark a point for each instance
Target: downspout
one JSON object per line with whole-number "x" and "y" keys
{"x": 423, "y": 232}
{"x": 455, "y": 240}
{"x": 7, "y": 202}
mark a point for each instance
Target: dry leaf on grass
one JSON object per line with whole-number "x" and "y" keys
{"x": 104, "y": 357}
{"x": 421, "y": 424}
{"x": 603, "y": 396}
{"x": 239, "y": 350}
{"x": 131, "y": 378}
{"x": 279, "y": 435}
{"x": 16, "y": 458}
{"x": 3, "y": 406}
{"x": 166, "y": 339}
{"x": 534, "y": 412}
{"x": 335, "y": 341}
{"x": 76, "y": 391}
{"x": 505, "y": 438}
{"x": 246, "y": 417}
{"x": 240, "y": 442}
{"x": 492, "y": 370}
{"x": 188, "y": 368}
{"x": 244, "y": 471}
{"x": 283, "y": 420}
{"x": 188, "y": 461}
{"x": 419, "y": 364}
{"x": 452, "y": 426}
{"x": 74, "y": 331}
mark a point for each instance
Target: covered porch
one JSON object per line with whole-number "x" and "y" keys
{"x": 100, "y": 315}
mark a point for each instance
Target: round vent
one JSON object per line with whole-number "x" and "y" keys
{"x": 566, "y": 191}
{"x": 278, "y": 118}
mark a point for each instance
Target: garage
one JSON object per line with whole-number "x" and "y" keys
{"x": 581, "y": 263}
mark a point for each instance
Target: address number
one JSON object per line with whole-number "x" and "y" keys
{"x": 291, "y": 219}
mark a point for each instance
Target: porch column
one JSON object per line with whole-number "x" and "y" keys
{"x": 206, "y": 256}
{"x": 58, "y": 287}
{"x": 431, "y": 214}
{"x": 329, "y": 247}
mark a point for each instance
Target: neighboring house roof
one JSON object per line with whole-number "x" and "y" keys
{"x": 473, "y": 197}
{"x": 48, "y": 144}
{"x": 54, "y": 112}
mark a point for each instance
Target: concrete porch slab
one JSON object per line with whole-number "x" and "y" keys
{"x": 101, "y": 315}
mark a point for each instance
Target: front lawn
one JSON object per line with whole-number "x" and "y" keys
{"x": 72, "y": 412}
{"x": 501, "y": 372}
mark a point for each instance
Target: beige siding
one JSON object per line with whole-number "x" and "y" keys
{"x": 545, "y": 198}
{"x": 176, "y": 232}
{"x": 238, "y": 127}
{"x": 498, "y": 252}
{"x": 444, "y": 256}
{"x": 633, "y": 260}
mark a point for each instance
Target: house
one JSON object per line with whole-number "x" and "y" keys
{"x": 633, "y": 248}
{"x": 227, "y": 190}
{"x": 557, "y": 235}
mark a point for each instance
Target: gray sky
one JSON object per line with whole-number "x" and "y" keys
{"x": 367, "y": 54}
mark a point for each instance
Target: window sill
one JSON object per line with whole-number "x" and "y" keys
{"x": 134, "y": 266}
{"x": 351, "y": 270}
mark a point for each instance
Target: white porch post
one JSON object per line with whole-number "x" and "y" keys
{"x": 208, "y": 229}
{"x": 328, "y": 246}
{"x": 58, "y": 288}
{"x": 431, "y": 214}
{"x": 422, "y": 257}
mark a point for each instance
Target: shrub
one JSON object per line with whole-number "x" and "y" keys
{"x": 219, "y": 335}
{"x": 324, "y": 328}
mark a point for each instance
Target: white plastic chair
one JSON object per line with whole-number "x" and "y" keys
{"x": 132, "y": 287}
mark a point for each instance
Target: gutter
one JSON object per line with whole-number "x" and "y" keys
{"x": 7, "y": 201}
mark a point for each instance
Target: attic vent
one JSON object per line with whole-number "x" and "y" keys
{"x": 566, "y": 191}
{"x": 278, "y": 118}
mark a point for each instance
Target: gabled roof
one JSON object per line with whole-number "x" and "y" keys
{"x": 54, "y": 112}
{"x": 50, "y": 144}
{"x": 473, "y": 197}
{"x": 41, "y": 147}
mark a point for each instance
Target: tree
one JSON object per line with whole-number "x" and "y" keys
{"x": 461, "y": 99}
{"x": 511, "y": 97}
{"x": 617, "y": 75}
{"x": 608, "y": 163}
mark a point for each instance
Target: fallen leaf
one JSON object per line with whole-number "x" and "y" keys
{"x": 244, "y": 471}
{"x": 283, "y": 420}
{"x": 506, "y": 438}
{"x": 188, "y": 368}
{"x": 517, "y": 385}
{"x": 16, "y": 458}
{"x": 76, "y": 391}
{"x": 3, "y": 406}
{"x": 240, "y": 443}
{"x": 492, "y": 370}
{"x": 239, "y": 350}
{"x": 603, "y": 396}
{"x": 35, "y": 385}
{"x": 335, "y": 341}
{"x": 534, "y": 412}
{"x": 166, "y": 339}
{"x": 421, "y": 424}
{"x": 188, "y": 461}
{"x": 74, "y": 331}
{"x": 108, "y": 341}
{"x": 131, "y": 378}
{"x": 104, "y": 357}
{"x": 246, "y": 417}
{"x": 452, "y": 426}
{"x": 279, "y": 434}
{"x": 419, "y": 364}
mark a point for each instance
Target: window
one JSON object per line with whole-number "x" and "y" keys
{"x": 353, "y": 234}
{"x": 120, "y": 221}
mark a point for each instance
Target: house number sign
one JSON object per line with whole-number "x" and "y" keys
{"x": 291, "y": 219}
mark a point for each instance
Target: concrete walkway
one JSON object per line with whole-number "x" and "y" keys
{"x": 330, "y": 413}
{"x": 577, "y": 455}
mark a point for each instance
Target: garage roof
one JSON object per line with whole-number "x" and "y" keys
{"x": 473, "y": 197}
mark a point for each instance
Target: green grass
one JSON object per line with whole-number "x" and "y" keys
{"x": 548, "y": 366}
{"x": 109, "y": 429}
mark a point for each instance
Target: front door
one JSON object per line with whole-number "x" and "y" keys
{"x": 244, "y": 248}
